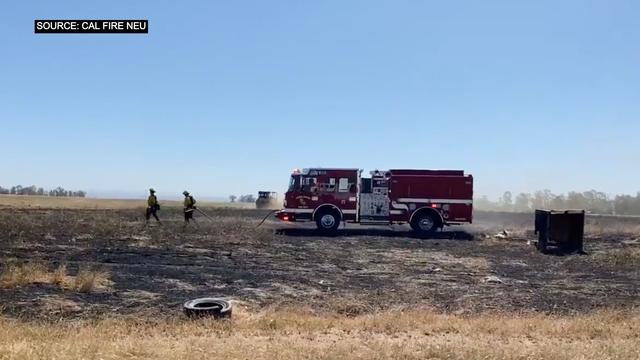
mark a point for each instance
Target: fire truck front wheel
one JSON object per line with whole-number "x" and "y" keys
{"x": 328, "y": 220}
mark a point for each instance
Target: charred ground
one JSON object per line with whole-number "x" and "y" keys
{"x": 154, "y": 269}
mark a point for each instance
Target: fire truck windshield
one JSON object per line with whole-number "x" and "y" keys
{"x": 294, "y": 183}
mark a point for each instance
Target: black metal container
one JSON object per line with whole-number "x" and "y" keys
{"x": 561, "y": 229}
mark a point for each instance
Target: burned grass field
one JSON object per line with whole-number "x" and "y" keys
{"x": 154, "y": 268}
{"x": 101, "y": 271}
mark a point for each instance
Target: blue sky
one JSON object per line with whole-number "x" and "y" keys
{"x": 227, "y": 97}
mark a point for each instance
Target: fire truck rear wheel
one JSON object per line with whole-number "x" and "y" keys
{"x": 425, "y": 223}
{"x": 328, "y": 220}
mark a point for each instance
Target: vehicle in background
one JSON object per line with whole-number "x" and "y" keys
{"x": 267, "y": 200}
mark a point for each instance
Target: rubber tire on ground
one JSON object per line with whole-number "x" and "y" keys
{"x": 336, "y": 220}
{"x": 418, "y": 217}
{"x": 217, "y": 308}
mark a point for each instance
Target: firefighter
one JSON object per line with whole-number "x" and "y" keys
{"x": 189, "y": 207}
{"x": 152, "y": 206}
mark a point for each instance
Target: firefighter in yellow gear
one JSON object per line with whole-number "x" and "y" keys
{"x": 189, "y": 207}
{"x": 152, "y": 206}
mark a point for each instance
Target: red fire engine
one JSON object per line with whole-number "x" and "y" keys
{"x": 426, "y": 199}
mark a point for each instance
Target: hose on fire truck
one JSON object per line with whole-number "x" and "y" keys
{"x": 265, "y": 218}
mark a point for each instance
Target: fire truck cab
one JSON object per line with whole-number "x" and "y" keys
{"x": 426, "y": 199}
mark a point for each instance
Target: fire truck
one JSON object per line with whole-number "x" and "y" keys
{"x": 427, "y": 200}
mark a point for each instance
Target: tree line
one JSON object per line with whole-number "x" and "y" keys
{"x": 592, "y": 201}
{"x": 34, "y": 190}
{"x": 242, "y": 198}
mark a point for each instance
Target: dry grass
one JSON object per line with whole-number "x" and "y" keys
{"x": 59, "y": 276}
{"x": 46, "y": 202}
{"x": 17, "y": 275}
{"x": 295, "y": 334}
{"x": 622, "y": 228}
{"x": 95, "y": 227}
{"x": 522, "y": 224}
{"x": 86, "y": 280}
{"x": 617, "y": 259}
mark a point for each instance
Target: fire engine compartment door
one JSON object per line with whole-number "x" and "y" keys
{"x": 374, "y": 206}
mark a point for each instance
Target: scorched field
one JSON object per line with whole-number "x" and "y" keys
{"x": 100, "y": 284}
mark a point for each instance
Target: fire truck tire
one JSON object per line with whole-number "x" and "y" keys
{"x": 425, "y": 223}
{"x": 217, "y": 308}
{"x": 328, "y": 220}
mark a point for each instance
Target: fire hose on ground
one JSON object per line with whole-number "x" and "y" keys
{"x": 203, "y": 213}
{"x": 265, "y": 218}
{"x": 261, "y": 222}
{"x": 210, "y": 218}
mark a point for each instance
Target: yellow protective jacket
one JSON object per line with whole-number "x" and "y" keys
{"x": 189, "y": 202}
{"x": 152, "y": 200}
